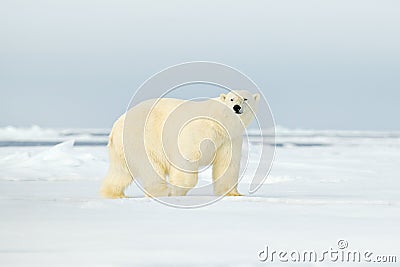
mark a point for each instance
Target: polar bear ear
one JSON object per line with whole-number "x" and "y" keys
{"x": 222, "y": 97}
{"x": 256, "y": 97}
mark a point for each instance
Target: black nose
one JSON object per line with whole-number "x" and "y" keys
{"x": 236, "y": 108}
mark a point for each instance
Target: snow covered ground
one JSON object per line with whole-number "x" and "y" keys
{"x": 324, "y": 186}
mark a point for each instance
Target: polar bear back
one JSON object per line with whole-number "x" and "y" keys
{"x": 179, "y": 131}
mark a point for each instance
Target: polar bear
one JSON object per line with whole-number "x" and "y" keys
{"x": 163, "y": 142}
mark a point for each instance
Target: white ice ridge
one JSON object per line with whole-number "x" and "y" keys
{"x": 60, "y": 162}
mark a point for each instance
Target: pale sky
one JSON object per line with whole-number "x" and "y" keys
{"x": 321, "y": 64}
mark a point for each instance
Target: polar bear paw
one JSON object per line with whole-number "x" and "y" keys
{"x": 234, "y": 193}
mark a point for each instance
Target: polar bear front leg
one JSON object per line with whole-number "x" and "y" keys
{"x": 181, "y": 182}
{"x": 226, "y": 168}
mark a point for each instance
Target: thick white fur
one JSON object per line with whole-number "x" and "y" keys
{"x": 155, "y": 143}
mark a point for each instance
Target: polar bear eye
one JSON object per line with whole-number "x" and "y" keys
{"x": 231, "y": 99}
{"x": 244, "y": 99}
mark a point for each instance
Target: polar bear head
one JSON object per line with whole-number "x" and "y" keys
{"x": 243, "y": 103}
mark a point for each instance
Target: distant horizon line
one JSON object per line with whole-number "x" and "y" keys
{"x": 279, "y": 128}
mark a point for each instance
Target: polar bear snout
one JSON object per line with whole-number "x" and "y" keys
{"x": 237, "y": 109}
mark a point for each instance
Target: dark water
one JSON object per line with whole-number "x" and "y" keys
{"x": 82, "y": 143}
{"x": 308, "y": 139}
{"x": 49, "y": 143}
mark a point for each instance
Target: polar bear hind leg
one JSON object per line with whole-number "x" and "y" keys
{"x": 117, "y": 180}
{"x": 115, "y": 183}
{"x": 181, "y": 182}
{"x": 118, "y": 176}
